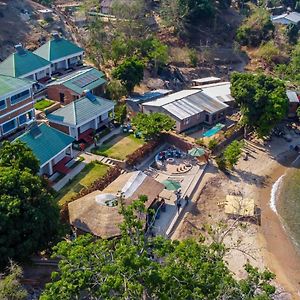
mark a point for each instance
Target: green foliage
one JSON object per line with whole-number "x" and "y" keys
{"x": 193, "y": 57}
{"x": 137, "y": 266}
{"x": 291, "y": 72}
{"x": 269, "y": 52}
{"x": 10, "y": 286}
{"x": 177, "y": 13}
{"x": 18, "y": 156}
{"x": 152, "y": 125}
{"x": 115, "y": 90}
{"x": 262, "y": 99}
{"x": 257, "y": 28}
{"x": 212, "y": 143}
{"x": 232, "y": 153}
{"x": 130, "y": 73}
{"x": 298, "y": 112}
{"x": 29, "y": 219}
{"x": 120, "y": 113}
{"x": 221, "y": 162}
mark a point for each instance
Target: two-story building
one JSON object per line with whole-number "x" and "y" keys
{"x": 62, "y": 53}
{"x": 25, "y": 64}
{"x": 16, "y": 104}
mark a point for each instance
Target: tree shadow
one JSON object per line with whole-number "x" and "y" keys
{"x": 248, "y": 177}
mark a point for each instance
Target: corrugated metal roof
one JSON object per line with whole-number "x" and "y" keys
{"x": 47, "y": 144}
{"x": 294, "y": 17}
{"x": 81, "y": 110}
{"x": 207, "y": 80}
{"x": 220, "y": 91}
{"x": 9, "y": 84}
{"x": 187, "y": 103}
{"x": 81, "y": 80}
{"x": 19, "y": 64}
{"x": 57, "y": 48}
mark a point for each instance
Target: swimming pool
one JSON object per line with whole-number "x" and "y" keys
{"x": 213, "y": 130}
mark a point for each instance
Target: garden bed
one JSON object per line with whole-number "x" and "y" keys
{"x": 43, "y": 104}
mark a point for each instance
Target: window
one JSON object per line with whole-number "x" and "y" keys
{"x": 19, "y": 97}
{"x": 25, "y": 118}
{"x": 206, "y": 118}
{"x": 9, "y": 126}
{"x": 214, "y": 118}
{"x": 187, "y": 121}
{"x": 2, "y": 104}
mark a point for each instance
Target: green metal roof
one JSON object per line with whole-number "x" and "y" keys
{"x": 81, "y": 80}
{"x": 47, "y": 143}
{"x": 10, "y": 84}
{"x": 81, "y": 110}
{"x": 57, "y": 48}
{"x": 19, "y": 64}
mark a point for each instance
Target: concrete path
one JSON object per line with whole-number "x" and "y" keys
{"x": 59, "y": 185}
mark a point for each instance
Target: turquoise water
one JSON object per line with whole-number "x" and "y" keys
{"x": 213, "y": 130}
{"x": 288, "y": 203}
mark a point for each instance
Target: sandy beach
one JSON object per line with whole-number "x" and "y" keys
{"x": 265, "y": 246}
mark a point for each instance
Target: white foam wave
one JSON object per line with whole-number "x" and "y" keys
{"x": 274, "y": 192}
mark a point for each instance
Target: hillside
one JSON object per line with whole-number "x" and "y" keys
{"x": 20, "y": 22}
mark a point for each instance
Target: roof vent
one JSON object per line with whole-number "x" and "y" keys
{"x": 20, "y": 50}
{"x": 56, "y": 36}
{"x": 90, "y": 96}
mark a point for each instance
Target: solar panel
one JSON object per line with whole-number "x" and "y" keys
{"x": 85, "y": 80}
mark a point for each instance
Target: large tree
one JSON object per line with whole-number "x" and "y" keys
{"x": 152, "y": 125}
{"x": 262, "y": 99}
{"x": 138, "y": 266}
{"x": 130, "y": 73}
{"x": 29, "y": 218}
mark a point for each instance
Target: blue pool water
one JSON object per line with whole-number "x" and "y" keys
{"x": 213, "y": 130}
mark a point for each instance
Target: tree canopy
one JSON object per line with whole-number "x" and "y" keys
{"x": 262, "y": 99}
{"x": 138, "y": 266}
{"x": 152, "y": 125}
{"x": 130, "y": 73}
{"x": 29, "y": 219}
{"x": 232, "y": 153}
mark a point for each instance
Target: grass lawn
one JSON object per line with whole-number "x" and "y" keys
{"x": 119, "y": 147}
{"x": 85, "y": 178}
{"x": 43, "y": 104}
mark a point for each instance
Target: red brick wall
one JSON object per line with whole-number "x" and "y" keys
{"x": 60, "y": 127}
{"x": 54, "y": 91}
{"x": 16, "y": 113}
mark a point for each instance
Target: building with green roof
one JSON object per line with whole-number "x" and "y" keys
{"x": 52, "y": 147}
{"x": 73, "y": 86}
{"x": 25, "y": 64}
{"x": 16, "y": 104}
{"x": 82, "y": 116}
{"x": 62, "y": 53}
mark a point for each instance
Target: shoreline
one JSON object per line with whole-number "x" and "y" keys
{"x": 278, "y": 249}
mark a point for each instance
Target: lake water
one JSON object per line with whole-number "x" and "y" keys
{"x": 286, "y": 194}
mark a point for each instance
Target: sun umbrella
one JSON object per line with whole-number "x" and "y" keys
{"x": 197, "y": 152}
{"x": 171, "y": 185}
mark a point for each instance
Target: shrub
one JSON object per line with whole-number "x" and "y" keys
{"x": 212, "y": 144}
{"x": 193, "y": 57}
{"x": 221, "y": 162}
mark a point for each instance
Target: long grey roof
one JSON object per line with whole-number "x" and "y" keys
{"x": 292, "y": 95}
{"x": 81, "y": 110}
{"x": 187, "y": 103}
{"x": 220, "y": 91}
{"x": 293, "y": 17}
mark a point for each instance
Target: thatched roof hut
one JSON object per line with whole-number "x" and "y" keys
{"x": 98, "y": 212}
